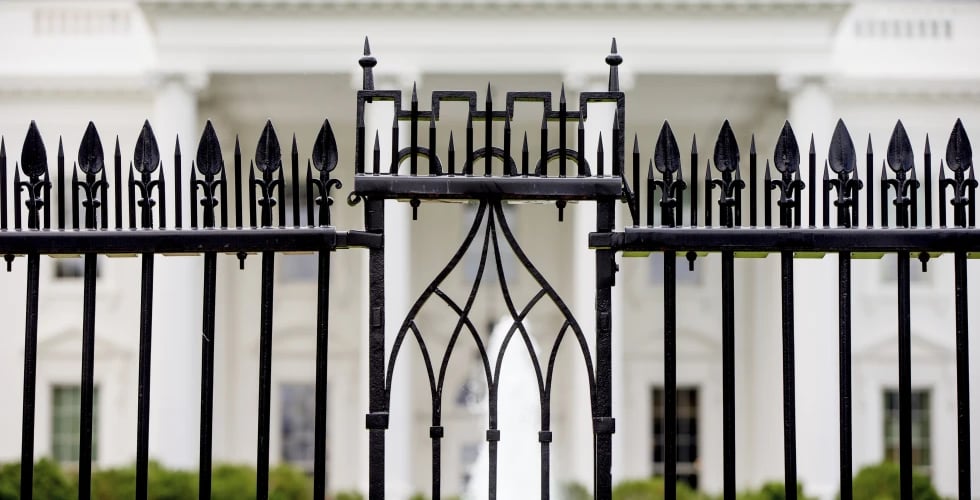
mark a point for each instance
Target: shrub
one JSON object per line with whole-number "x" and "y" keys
{"x": 49, "y": 481}
{"x": 347, "y": 495}
{"x": 232, "y": 482}
{"x": 652, "y": 489}
{"x": 289, "y": 483}
{"x": 877, "y": 482}
{"x": 576, "y": 491}
{"x": 773, "y": 490}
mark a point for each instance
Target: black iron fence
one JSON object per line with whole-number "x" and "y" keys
{"x": 558, "y": 172}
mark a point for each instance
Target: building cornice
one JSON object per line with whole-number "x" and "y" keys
{"x": 574, "y": 5}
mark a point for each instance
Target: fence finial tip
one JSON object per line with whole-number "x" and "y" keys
{"x": 367, "y": 46}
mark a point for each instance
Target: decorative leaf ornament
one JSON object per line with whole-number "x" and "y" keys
{"x": 209, "y": 160}
{"x": 324, "y": 148}
{"x": 91, "y": 157}
{"x": 900, "y": 158}
{"x": 268, "y": 155}
{"x": 33, "y": 157}
{"x": 666, "y": 155}
{"x": 726, "y": 149}
{"x": 146, "y": 156}
{"x": 842, "y": 156}
{"x": 787, "y": 155}
{"x": 959, "y": 153}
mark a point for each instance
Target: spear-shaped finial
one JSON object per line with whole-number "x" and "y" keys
{"x": 614, "y": 60}
{"x": 367, "y": 62}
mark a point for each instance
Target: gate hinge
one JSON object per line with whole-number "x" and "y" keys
{"x": 376, "y": 420}
{"x": 604, "y": 425}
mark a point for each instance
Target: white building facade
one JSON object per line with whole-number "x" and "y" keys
{"x": 694, "y": 63}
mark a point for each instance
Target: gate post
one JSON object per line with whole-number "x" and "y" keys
{"x": 603, "y": 423}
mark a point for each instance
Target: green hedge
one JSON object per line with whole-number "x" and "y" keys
{"x": 881, "y": 482}
{"x": 228, "y": 482}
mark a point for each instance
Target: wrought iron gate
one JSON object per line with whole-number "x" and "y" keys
{"x": 557, "y": 173}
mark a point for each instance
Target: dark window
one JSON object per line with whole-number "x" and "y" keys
{"x": 66, "y": 421}
{"x": 298, "y": 411}
{"x": 921, "y": 442}
{"x": 687, "y": 434}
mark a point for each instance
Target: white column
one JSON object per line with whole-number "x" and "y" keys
{"x": 399, "y": 480}
{"x": 176, "y": 372}
{"x": 810, "y": 110}
{"x": 583, "y": 215}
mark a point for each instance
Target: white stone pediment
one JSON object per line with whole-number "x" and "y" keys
{"x": 67, "y": 343}
{"x": 884, "y": 350}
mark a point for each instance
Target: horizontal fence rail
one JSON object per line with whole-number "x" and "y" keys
{"x": 125, "y": 213}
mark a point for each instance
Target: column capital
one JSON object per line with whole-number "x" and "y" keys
{"x": 792, "y": 83}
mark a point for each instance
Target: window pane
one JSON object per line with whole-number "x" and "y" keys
{"x": 298, "y": 409}
{"x": 686, "y": 438}
{"x": 66, "y": 422}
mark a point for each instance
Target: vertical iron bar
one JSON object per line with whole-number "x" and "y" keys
{"x": 562, "y": 133}
{"x": 753, "y": 184}
{"x": 238, "y": 184}
{"x": 88, "y": 367}
{"x": 320, "y": 416}
{"x": 374, "y": 222}
{"x": 928, "y": 183}
{"x": 117, "y": 179}
{"x": 884, "y": 197}
{"x": 143, "y": 395}
{"x": 728, "y": 370}
{"x": 812, "y": 192}
{"x": 207, "y": 374}
{"x": 178, "y": 187}
{"x": 544, "y": 146}
{"x": 294, "y": 171}
{"x": 870, "y": 200}
{"x": 904, "y": 374}
{"x": 962, "y": 376}
{"x": 265, "y": 376}
{"x": 605, "y": 425}
{"x": 789, "y": 374}
{"x": 61, "y": 189}
{"x": 3, "y": 184}
{"x": 30, "y": 378}
{"x": 488, "y": 135}
{"x": 670, "y": 374}
{"x": 844, "y": 326}
{"x": 694, "y": 181}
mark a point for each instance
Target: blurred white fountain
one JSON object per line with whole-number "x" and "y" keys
{"x": 519, "y": 420}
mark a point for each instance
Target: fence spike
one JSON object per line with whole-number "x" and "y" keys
{"x": 162, "y": 191}
{"x": 786, "y": 157}
{"x": 899, "y": 153}
{"x": 753, "y": 184}
{"x": 959, "y": 152}
{"x": 91, "y": 157}
{"x": 75, "y": 209}
{"x": 927, "y": 161}
{"x": 767, "y": 189}
{"x": 367, "y": 63}
{"x": 942, "y": 194}
{"x": 434, "y": 167}
{"x": 238, "y": 182}
{"x": 726, "y": 150}
{"x": 252, "y": 222}
{"x": 826, "y": 195}
{"x": 637, "y": 182}
{"x": 884, "y": 195}
{"x": 707, "y": 194}
{"x": 310, "y": 220}
{"x": 193, "y": 193}
{"x": 651, "y": 189}
{"x": 613, "y": 60}
{"x": 694, "y": 181}
{"x": 268, "y": 154}
{"x": 666, "y": 155}
{"x": 600, "y": 156}
{"x": 131, "y": 190}
{"x": 33, "y": 156}
{"x": 117, "y": 180}
{"x": 869, "y": 200}
{"x": 811, "y": 177}
{"x": 451, "y": 154}
{"x": 17, "y": 208}
{"x": 562, "y": 132}
{"x": 841, "y": 155}
{"x": 178, "y": 187}
{"x": 294, "y": 173}
{"x": 104, "y": 212}
{"x": 542, "y": 169}
{"x": 376, "y": 167}
{"x": 488, "y": 134}
{"x": 61, "y": 185}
